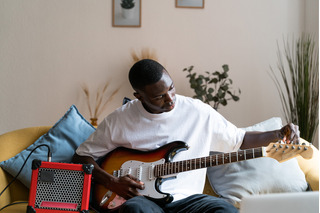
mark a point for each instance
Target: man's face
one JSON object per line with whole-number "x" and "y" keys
{"x": 158, "y": 97}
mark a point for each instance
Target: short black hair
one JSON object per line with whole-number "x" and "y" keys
{"x": 145, "y": 72}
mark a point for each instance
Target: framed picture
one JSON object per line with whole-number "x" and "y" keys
{"x": 190, "y": 3}
{"x": 126, "y": 13}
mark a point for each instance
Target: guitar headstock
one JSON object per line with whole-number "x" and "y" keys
{"x": 283, "y": 152}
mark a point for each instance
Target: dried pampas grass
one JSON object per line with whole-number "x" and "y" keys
{"x": 146, "y": 53}
{"x": 101, "y": 99}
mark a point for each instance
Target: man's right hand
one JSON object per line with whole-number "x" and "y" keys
{"x": 126, "y": 186}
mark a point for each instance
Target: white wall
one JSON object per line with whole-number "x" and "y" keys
{"x": 48, "y": 48}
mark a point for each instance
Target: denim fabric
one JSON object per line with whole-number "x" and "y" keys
{"x": 199, "y": 203}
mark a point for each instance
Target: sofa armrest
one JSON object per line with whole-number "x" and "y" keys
{"x": 310, "y": 167}
{"x": 5, "y": 197}
{"x": 12, "y": 143}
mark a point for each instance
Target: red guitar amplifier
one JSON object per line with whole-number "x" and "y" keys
{"x": 59, "y": 187}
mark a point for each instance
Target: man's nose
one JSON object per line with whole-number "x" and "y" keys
{"x": 169, "y": 96}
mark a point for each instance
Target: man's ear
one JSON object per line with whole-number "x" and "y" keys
{"x": 138, "y": 96}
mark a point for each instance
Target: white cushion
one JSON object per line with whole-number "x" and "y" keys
{"x": 257, "y": 176}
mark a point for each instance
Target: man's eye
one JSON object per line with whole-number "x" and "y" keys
{"x": 158, "y": 97}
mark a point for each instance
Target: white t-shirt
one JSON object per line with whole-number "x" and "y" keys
{"x": 191, "y": 121}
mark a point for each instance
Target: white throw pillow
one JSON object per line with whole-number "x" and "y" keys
{"x": 257, "y": 176}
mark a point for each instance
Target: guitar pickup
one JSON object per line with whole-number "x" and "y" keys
{"x": 139, "y": 172}
{"x": 151, "y": 170}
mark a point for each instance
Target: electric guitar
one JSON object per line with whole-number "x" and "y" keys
{"x": 151, "y": 167}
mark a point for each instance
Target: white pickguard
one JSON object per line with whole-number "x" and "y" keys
{"x": 145, "y": 173}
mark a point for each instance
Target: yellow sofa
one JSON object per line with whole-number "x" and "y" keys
{"x": 14, "y": 142}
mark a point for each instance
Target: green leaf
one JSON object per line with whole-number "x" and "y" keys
{"x": 223, "y": 102}
{"x": 198, "y": 92}
{"x": 214, "y": 80}
{"x": 225, "y": 87}
{"x": 199, "y": 81}
{"x": 221, "y": 94}
{"x": 193, "y": 81}
{"x": 225, "y": 68}
{"x": 199, "y": 97}
{"x": 235, "y": 98}
{"x": 216, "y": 73}
{"x": 225, "y": 75}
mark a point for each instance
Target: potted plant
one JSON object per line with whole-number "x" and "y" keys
{"x": 214, "y": 88}
{"x": 298, "y": 86}
{"x": 127, "y": 8}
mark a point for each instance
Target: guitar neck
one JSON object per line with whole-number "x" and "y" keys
{"x": 170, "y": 168}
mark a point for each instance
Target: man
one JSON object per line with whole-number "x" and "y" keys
{"x": 157, "y": 117}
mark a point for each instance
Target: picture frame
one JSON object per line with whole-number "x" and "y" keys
{"x": 122, "y": 17}
{"x": 199, "y": 4}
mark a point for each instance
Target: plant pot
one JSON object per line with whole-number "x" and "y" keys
{"x": 94, "y": 122}
{"x": 128, "y": 13}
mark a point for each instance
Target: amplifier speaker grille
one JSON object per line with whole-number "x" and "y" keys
{"x": 59, "y": 187}
{"x": 66, "y": 188}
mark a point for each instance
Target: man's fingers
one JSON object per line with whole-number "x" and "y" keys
{"x": 291, "y": 133}
{"x": 136, "y": 182}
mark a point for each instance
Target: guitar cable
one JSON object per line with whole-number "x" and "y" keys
{"x": 49, "y": 160}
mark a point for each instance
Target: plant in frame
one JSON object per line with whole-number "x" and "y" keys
{"x": 127, "y": 4}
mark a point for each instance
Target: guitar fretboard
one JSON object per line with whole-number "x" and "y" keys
{"x": 204, "y": 162}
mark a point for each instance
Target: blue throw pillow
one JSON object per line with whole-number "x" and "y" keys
{"x": 63, "y": 139}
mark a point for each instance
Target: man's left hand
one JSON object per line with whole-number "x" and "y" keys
{"x": 289, "y": 134}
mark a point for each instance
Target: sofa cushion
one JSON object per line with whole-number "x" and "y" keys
{"x": 257, "y": 176}
{"x": 63, "y": 139}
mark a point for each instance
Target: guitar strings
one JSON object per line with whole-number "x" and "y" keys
{"x": 212, "y": 160}
{"x": 198, "y": 163}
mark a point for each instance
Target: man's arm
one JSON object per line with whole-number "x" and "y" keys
{"x": 288, "y": 133}
{"x": 125, "y": 187}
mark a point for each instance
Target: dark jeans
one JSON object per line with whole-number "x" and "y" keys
{"x": 199, "y": 203}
